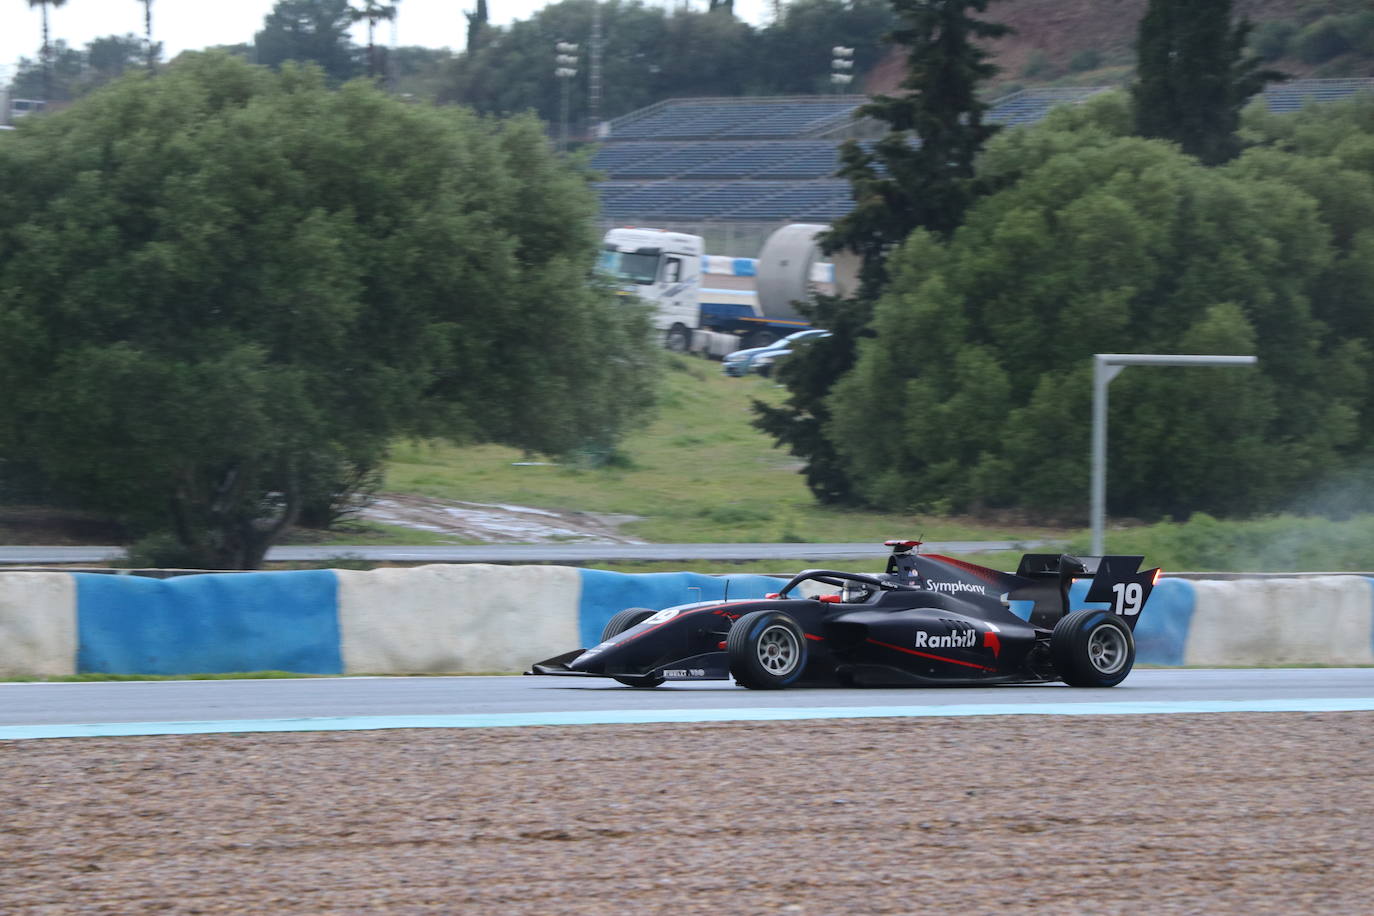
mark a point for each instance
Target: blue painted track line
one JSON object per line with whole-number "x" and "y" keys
{"x": 656, "y": 716}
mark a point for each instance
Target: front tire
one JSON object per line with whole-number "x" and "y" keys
{"x": 767, "y": 650}
{"x": 1092, "y": 648}
{"x": 620, "y": 622}
{"x": 679, "y": 339}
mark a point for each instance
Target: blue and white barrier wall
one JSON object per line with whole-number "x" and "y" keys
{"x": 477, "y": 618}
{"x": 389, "y": 621}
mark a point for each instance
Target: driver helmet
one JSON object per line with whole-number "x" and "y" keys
{"x": 854, "y": 592}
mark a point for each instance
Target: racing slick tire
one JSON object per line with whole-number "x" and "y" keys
{"x": 620, "y": 622}
{"x": 1092, "y": 648}
{"x": 767, "y": 650}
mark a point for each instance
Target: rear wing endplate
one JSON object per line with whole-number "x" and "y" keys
{"x": 1116, "y": 580}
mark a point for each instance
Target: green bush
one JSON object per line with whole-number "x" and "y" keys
{"x": 1359, "y": 31}
{"x": 1088, "y": 59}
{"x": 1283, "y": 543}
{"x": 160, "y": 551}
{"x": 1270, "y": 39}
{"x": 1037, "y": 64}
{"x": 1322, "y": 40}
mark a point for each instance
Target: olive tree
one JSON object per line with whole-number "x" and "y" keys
{"x": 221, "y": 283}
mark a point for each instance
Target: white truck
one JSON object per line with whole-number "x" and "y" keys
{"x": 714, "y": 304}
{"x": 11, "y": 108}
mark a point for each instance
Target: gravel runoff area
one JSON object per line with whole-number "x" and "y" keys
{"x": 1238, "y": 813}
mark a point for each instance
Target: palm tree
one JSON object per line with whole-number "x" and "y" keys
{"x": 373, "y": 12}
{"x": 147, "y": 31}
{"x": 47, "y": 49}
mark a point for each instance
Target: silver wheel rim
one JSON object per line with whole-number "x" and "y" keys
{"x": 1107, "y": 649}
{"x": 778, "y": 650}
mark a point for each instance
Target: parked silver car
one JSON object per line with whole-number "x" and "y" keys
{"x": 742, "y": 362}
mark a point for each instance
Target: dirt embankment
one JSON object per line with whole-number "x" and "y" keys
{"x": 1057, "y": 30}
{"x": 1247, "y": 813}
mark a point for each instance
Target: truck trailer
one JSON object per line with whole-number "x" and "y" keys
{"x": 713, "y": 304}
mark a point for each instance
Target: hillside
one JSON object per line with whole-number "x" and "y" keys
{"x": 1091, "y": 42}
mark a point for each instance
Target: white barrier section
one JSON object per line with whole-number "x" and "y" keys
{"x": 37, "y": 624}
{"x": 459, "y": 619}
{"x": 1324, "y": 620}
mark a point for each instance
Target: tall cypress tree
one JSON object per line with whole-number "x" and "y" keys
{"x": 477, "y": 27}
{"x": 1194, "y": 76}
{"x": 919, "y": 176}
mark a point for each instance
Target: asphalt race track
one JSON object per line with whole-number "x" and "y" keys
{"x": 30, "y": 710}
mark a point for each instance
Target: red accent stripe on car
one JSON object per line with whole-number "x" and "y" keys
{"x": 816, "y": 638}
{"x": 938, "y": 658}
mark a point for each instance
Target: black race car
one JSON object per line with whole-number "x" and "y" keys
{"x": 928, "y": 619}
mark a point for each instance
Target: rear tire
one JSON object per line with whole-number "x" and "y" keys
{"x": 1092, "y": 648}
{"x": 767, "y": 650}
{"x": 620, "y": 622}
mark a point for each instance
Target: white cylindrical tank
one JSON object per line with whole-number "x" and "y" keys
{"x": 785, "y": 270}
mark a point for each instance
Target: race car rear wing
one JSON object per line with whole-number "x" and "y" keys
{"x": 1116, "y": 580}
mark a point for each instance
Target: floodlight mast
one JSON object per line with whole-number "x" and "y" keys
{"x": 1106, "y": 366}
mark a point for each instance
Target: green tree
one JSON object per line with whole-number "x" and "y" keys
{"x": 978, "y": 371}
{"x": 1195, "y": 75}
{"x": 795, "y": 50}
{"x": 477, "y": 27}
{"x": 417, "y": 72}
{"x": 919, "y": 176}
{"x": 512, "y": 70}
{"x": 225, "y": 284}
{"x": 650, "y": 53}
{"x": 111, "y": 57}
{"x": 309, "y": 31}
{"x": 57, "y": 79}
{"x": 76, "y": 72}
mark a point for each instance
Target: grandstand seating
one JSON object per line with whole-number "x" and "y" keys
{"x": 735, "y": 118}
{"x": 719, "y": 159}
{"x": 768, "y": 159}
{"x": 1032, "y": 105}
{"x": 1290, "y": 96}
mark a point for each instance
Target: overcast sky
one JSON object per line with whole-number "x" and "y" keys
{"x": 190, "y": 24}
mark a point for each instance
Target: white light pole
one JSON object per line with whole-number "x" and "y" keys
{"x": 841, "y": 61}
{"x": 565, "y": 58}
{"x": 1106, "y": 366}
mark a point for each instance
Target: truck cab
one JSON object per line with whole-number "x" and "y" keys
{"x": 663, "y": 269}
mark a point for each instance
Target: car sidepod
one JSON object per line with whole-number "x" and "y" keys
{"x": 930, "y": 645}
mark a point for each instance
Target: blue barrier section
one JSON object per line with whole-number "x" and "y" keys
{"x": 1161, "y": 634}
{"x": 210, "y": 624}
{"x": 604, "y": 593}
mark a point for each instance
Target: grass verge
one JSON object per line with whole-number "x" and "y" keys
{"x": 699, "y": 473}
